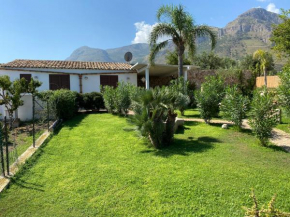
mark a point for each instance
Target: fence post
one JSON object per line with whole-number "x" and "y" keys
{"x": 6, "y": 143}
{"x": 33, "y": 127}
{"x": 1, "y": 152}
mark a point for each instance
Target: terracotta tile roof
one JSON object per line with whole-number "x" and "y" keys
{"x": 59, "y": 64}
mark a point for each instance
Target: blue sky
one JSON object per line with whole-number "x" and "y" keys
{"x": 52, "y": 29}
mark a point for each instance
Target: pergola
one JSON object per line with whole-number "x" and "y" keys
{"x": 159, "y": 70}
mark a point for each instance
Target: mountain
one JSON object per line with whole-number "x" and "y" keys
{"x": 249, "y": 32}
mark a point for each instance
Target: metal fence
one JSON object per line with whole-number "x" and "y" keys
{"x": 16, "y": 139}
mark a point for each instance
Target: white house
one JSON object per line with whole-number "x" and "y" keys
{"x": 83, "y": 77}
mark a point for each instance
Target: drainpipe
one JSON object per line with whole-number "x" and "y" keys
{"x": 81, "y": 83}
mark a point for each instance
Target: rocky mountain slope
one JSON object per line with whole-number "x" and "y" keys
{"x": 249, "y": 32}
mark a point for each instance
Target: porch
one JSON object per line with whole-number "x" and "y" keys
{"x": 159, "y": 74}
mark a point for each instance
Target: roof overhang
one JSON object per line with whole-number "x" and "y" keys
{"x": 160, "y": 69}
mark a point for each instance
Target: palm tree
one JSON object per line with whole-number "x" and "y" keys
{"x": 181, "y": 30}
{"x": 264, "y": 61}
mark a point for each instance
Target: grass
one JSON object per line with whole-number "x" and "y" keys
{"x": 285, "y": 125}
{"x": 193, "y": 113}
{"x": 96, "y": 166}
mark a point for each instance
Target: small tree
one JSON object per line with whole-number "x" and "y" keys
{"x": 209, "y": 97}
{"x": 11, "y": 94}
{"x": 263, "y": 114}
{"x": 234, "y": 106}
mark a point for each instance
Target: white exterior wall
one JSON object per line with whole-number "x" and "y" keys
{"x": 92, "y": 83}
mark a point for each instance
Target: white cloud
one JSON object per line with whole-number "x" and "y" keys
{"x": 143, "y": 32}
{"x": 272, "y": 8}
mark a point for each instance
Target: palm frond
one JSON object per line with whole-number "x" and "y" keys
{"x": 155, "y": 49}
{"x": 160, "y": 30}
{"x": 166, "y": 11}
{"x": 204, "y": 30}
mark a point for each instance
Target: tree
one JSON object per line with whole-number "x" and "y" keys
{"x": 182, "y": 32}
{"x": 213, "y": 61}
{"x": 265, "y": 61}
{"x": 280, "y": 35}
{"x": 11, "y": 94}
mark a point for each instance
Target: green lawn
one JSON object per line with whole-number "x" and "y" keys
{"x": 96, "y": 166}
{"x": 285, "y": 125}
{"x": 193, "y": 113}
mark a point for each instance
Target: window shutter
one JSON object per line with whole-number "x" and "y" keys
{"x": 109, "y": 80}
{"x": 57, "y": 82}
{"x": 27, "y": 77}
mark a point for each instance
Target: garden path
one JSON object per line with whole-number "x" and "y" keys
{"x": 279, "y": 137}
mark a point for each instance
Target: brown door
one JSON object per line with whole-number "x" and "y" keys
{"x": 109, "y": 80}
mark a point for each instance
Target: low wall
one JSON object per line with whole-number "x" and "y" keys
{"x": 272, "y": 81}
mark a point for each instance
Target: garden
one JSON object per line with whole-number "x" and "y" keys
{"x": 132, "y": 160}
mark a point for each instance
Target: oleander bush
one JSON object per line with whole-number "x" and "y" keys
{"x": 209, "y": 97}
{"x": 118, "y": 100}
{"x": 234, "y": 106}
{"x": 263, "y": 115}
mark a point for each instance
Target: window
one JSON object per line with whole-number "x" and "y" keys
{"x": 109, "y": 80}
{"x": 57, "y": 82}
{"x": 27, "y": 77}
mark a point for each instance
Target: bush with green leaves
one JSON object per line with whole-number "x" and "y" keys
{"x": 186, "y": 93}
{"x": 284, "y": 89}
{"x": 123, "y": 97}
{"x": 118, "y": 100}
{"x": 109, "y": 95}
{"x": 209, "y": 97}
{"x": 234, "y": 106}
{"x": 65, "y": 102}
{"x": 263, "y": 115}
{"x": 92, "y": 101}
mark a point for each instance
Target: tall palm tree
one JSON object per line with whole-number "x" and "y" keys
{"x": 263, "y": 58}
{"x": 180, "y": 28}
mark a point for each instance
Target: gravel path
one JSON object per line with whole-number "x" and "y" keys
{"x": 279, "y": 137}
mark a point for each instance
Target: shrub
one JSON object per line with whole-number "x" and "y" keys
{"x": 284, "y": 89}
{"x": 65, "y": 103}
{"x": 92, "y": 101}
{"x": 263, "y": 114}
{"x": 209, "y": 97}
{"x": 123, "y": 97}
{"x": 186, "y": 93}
{"x": 118, "y": 100}
{"x": 109, "y": 95}
{"x": 234, "y": 106}
{"x": 154, "y": 113}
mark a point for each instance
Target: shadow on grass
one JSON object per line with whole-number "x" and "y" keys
{"x": 185, "y": 147}
{"x": 28, "y": 185}
{"x": 74, "y": 122}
